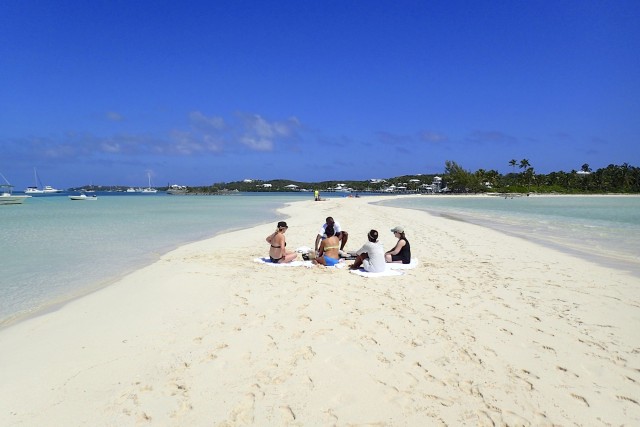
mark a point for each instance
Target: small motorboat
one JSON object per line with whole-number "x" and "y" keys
{"x": 84, "y": 197}
{"x": 6, "y": 198}
{"x": 6, "y": 195}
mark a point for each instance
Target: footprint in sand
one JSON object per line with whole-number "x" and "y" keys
{"x": 628, "y": 399}
{"x": 553, "y": 350}
{"x": 332, "y": 418}
{"x": 441, "y": 400}
{"x": 580, "y": 398}
{"x": 305, "y": 353}
{"x": 287, "y": 413}
{"x": 243, "y": 413}
{"x": 565, "y": 370}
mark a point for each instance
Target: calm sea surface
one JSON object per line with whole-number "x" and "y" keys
{"x": 605, "y": 229}
{"x": 52, "y": 248}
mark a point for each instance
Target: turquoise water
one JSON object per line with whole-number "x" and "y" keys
{"x": 53, "y": 248}
{"x": 603, "y": 229}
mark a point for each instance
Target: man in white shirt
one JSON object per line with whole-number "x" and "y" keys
{"x": 342, "y": 235}
{"x": 370, "y": 255}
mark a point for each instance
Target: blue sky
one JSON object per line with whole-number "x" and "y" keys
{"x": 199, "y": 92}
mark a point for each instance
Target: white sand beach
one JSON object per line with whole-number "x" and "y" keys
{"x": 488, "y": 329}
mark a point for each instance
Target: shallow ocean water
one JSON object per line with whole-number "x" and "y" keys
{"x": 605, "y": 229}
{"x": 53, "y": 249}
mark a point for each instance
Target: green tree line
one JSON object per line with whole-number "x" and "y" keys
{"x": 521, "y": 179}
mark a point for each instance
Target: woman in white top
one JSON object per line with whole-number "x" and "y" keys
{"x": 370, "y": 255}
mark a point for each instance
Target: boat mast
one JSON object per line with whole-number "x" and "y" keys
{"x": 36, "y": 179}
{"x": 5, "y": 179}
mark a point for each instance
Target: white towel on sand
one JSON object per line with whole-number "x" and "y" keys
{"x": 286, "y": 264}
{"x": 307, "y": 264}
{"x": 387, "y": 272}
{"x": 398, "y": 266}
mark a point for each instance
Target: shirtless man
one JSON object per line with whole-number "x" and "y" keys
{"x": 342, "y": 235}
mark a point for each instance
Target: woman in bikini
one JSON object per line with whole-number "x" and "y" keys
{"x": 329, "y": 254}
{"x": 278, "y": 252}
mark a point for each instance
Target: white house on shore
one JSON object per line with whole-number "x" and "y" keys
{"x": 434, "y": 187}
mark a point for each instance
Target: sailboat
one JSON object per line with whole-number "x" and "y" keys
{"x": 38, "y": 189}
{"x": 149, "y": 190}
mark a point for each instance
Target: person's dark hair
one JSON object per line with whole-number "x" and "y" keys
{"x": 373, "y": 236}
{"x": 329, "y": 231}
{"x": 329, "y": 220}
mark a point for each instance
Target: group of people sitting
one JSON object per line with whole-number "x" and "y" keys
{"x": 329, "y": 248}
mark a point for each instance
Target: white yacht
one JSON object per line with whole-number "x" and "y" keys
{"x": 38, "y": 189}
{"x": 47, "y": 189}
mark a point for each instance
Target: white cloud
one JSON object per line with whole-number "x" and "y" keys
{"x": 261, "y": 135}
{"x": 213, "y": 143}
{"x": 204, "y": 136}
{"x": 183, "y": 143}
{"x": 110, "y": 147}
{"x": 191, "y": 142}
{"x": 201, "y": 121}
{"x": 257, "y": 144}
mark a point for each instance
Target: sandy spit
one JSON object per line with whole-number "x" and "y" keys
{"x": 488, "y": 329}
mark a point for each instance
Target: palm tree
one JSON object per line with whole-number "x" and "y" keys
{"x": 493, "y": 177}
{"x": 528, "y": 171}
{"x": 529, "y": 174}
{"x": 513, "y": 163}
{"x": 522, "y": 165}
{"x": 586, "y": 177}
